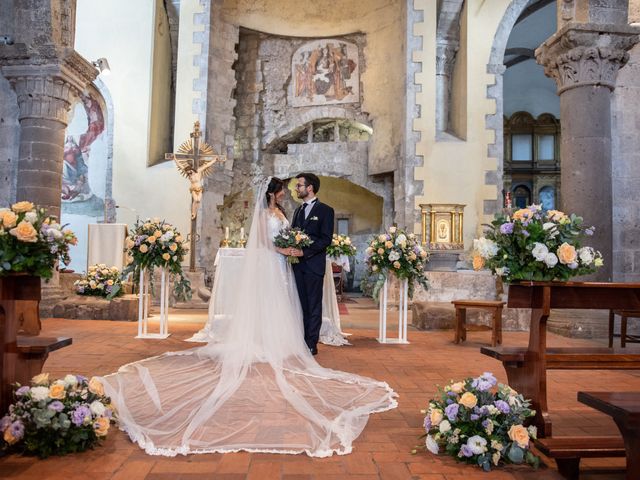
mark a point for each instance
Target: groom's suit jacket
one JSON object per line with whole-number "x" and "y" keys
{"x": 319, "y": 226}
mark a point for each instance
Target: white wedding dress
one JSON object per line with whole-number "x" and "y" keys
{"x": 220, "y": 307}
{"x": 258, "y": 388}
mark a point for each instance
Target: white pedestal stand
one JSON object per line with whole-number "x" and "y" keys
{"x": 145, "y": 300}
{"x": 403, "y": 298}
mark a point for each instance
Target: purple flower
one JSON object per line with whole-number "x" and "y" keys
{"x": 427, "y": 424}
{"x": 452, "y": 411}
{"x": 474, "y": 417}
{"x": 525, "y": 233}
{"x": 79, "y": 414}
{"x": 56, "y": 406}
{"x": 484, "y": 382}
{"x": 589, "y": 231}
{"x": 502, "y": 406}
{"x": 81, "y": 378}
{"x": 506, "y": 228}
{"x": 17, "y": 429}
{"x": 4, "y": 423}
{"x": 466, "y": 451}
{"x": 22, "y": 391}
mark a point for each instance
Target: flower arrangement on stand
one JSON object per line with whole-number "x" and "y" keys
{"x": 55, "y": 418}
{"x": 398, "y": 253}
{"x": 477, "y": 424}
{"x": 156, "y": 243}
{"x": 532, "y": 244}
{"x": 32, "y": 242}
{"x": 292, "y": 237}
{"x": 101, "y": 281}
{"x": 341, "y": 245}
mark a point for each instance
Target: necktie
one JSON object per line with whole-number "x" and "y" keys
{"x": 304, "y": 209}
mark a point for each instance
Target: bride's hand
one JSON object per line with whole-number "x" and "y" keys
{"x": 283, "y": 251}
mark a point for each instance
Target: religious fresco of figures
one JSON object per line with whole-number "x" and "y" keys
{"x": 85, "y": 160}
{"x": 325, "y": 72}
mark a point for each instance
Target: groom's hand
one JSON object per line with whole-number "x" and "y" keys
{"x": 296, "y": 252}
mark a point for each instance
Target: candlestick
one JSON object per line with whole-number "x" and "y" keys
{"x": 226, "y": 233}
{"x": 242, "y": 233}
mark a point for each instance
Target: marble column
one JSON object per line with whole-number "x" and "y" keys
{"x": 45, "y": 94}
{"x": 584, "y": 59}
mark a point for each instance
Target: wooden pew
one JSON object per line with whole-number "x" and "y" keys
{"x": 527, "y": 367}
{"x": 624, "y": 408}
{"x": 21, "y": 356}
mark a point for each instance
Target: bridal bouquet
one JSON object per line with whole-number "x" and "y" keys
{"x": 398, "y": 253}
{"x": 290, "y": 237}
{"x": 55, "y": 418}
{"x": 476, "y": 424}
{"x": 531, "y": 244}
{"x": 156, "y": 243}
{"x": 341, "y": 245}
{"x": 32, "y": 242}
{"x": 101, "y": 281}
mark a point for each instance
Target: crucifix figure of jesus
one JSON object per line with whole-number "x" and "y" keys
{"x": 195, "y": 160}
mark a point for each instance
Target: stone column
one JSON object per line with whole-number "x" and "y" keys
{"x": 584, "y": 59}
{"x": 445, "y": 61}
{"x": 45, "y": 93}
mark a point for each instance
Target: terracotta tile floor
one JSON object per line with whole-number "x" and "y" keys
{"x": 381, "y": 452}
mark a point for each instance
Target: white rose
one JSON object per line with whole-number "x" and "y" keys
{"x": 39, "y": 393}
{"x": 55, "y": 233}
{"x": 586, "y": 255}
{"x": 31, "y": 217}
{"x": 445, "y": 426}
{"x": 486, "y": 248}
{"x": 432, "y": 445}
{"x": 477, "y": 445}
{"x": 539, "y": 251}
{"x": 97, "y": 408}
{"x": 70, "y": 381}
{"x": 392, "y": 229}
{"x": 551, "y": 228}
{"x": 551, "y": 260}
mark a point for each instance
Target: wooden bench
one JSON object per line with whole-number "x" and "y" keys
{"x": 567, "y": 451}
{"x": 624, "y": 408}
{"x": 527, "y": 367}
{"x": 461, "y": 327}
{"x": 21, "y": 357}
{"x": 624, "y": 336}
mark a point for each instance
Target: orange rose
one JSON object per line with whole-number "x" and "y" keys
{"x": 22, "y": 207}
{"x": 8, "y": 218}
{"x": 101, "y": 426}
{"x": 519, "y": 434}
{"x": 522, "y": 214}
{"x": 8, "y": 437}
{"x": 57, "y": 391}
{"x": 468, "y": 399}
{"x": 478, "y": 262}
{"x": 567, "y": 254}
{"x": 95, "y": 386}
{"x": 25, "y": 232}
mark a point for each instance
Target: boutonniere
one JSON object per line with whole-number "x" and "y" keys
{"x": 314, "y": 218}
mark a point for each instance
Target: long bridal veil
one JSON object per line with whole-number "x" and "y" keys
{"x": 258, "y": 389}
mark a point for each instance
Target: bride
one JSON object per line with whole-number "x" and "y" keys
{"x": 258, "y": 389}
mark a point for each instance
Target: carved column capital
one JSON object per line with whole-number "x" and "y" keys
{"x": 45, "y": 87}
{"x": 446, "y": 57}
{"x": 581, "y": 54}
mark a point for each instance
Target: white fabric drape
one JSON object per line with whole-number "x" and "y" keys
{"x": 258, "y": 389}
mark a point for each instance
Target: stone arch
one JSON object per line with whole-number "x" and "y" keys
{"x": 494, "y": 121}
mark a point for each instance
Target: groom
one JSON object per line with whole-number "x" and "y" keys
{"x": 316, "y": 219}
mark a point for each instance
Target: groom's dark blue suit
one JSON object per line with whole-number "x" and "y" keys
{"x": 309, "y": 273}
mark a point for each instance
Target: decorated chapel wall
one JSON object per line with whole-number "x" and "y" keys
{"x": 381, "y": 79}
{"x": 455, "y": 171}
{"x": 138, "y": 189}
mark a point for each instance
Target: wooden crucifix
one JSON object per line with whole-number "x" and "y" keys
{"x": 195, "y": 160}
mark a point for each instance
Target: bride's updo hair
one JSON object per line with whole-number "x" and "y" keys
{"x": 275, "y": 185}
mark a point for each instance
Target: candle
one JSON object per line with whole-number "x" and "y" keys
{"x": 226, "y": 233}
{"x": 242, "y": 233}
